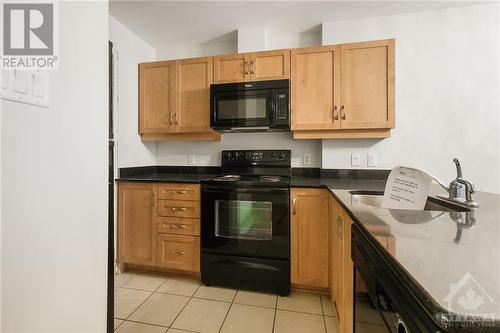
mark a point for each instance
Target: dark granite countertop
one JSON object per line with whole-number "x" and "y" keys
{"x": 166, "y": 178}
{"x": 455, "y": 268}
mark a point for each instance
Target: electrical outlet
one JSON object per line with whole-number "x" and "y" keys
{"x": 191, "y": 159}
{"x": 307, "y": 159}
{"x": 355, "y": 159}
{"x": 372, "y": 159}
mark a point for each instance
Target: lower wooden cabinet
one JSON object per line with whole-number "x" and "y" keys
{"x": 136, "y": 223}
{"x": 179, "y": 252}
{"x": 309, "y": 238}
{"x": 159, "y": 233}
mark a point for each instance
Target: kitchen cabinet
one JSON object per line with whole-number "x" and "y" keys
{"x": 156, "y": 97}
{"x": 341, "y": 266}
{"x": 315, "y": 88}
{"x": 256, "y": 66}
{"x": 174, "y": 100}
{"x": 136, "y": 223}
{"x": 159, "y": 225}
{"x": 343, "y": 91}
{"x": 309, "y": 238}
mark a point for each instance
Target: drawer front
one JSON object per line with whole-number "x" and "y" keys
{"x": 179, "y": 225}
{"x": 179, "y": 252}
{"x": 190, "y": 192}
{"x": 173, "y": 208}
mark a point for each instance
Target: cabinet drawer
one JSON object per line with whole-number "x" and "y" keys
{"x": 179, "y": 225}
{"x": 190, "y": 192}
{"x": 179, "y": 208}
{"x": 179, "y": 252}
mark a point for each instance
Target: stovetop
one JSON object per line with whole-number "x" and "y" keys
{"x": 254, "y": 168}
{"x": 248, "y": 180}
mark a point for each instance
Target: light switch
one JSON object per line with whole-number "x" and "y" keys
{"x": 21, "y": 82}
{"x": 372, "y": 159}
{"x": 355, "y": 159}
{"x": 38, "y": 85}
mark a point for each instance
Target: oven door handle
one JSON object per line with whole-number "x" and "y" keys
{"x": 243, "y": 190}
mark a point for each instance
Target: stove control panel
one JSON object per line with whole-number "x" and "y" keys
{"x": 251, "y": 157}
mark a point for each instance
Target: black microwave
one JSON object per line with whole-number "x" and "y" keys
{"x": 250, "y": 106}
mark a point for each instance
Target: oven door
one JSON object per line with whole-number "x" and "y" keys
{"x": 251, "y": 222}
{"x": 242, "y": 109}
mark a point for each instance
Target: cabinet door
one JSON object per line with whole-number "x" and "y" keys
{"x": 136, "y": 223}
{"x": 346, "y": 312}
{"x": 232, "y": 68}
{"x": 309, "y": 237}
{"x": 193, "y": 79}
{"x": 315, "y": 82}
{"x": 337, "y": 260}
{"x": 179, "y": 252}
{"x": 367, "y": 99}
{"x": 156, "y": 97}
{"x": 270, "y": 65}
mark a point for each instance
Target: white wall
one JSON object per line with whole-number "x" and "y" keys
{"x": 54, "y": 188}
{"x": 208, "y": 153}
{"x": 447, "y": 92}
{"x": 131, "y": 50}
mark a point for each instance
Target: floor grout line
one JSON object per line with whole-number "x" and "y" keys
{"x": 189, "y": 300}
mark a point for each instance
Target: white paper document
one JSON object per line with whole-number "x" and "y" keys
{"x": 406, "y": 188}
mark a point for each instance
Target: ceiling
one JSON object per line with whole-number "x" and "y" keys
{"x": 166, "y": 23}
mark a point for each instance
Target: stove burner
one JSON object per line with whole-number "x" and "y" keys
{"x": 228, "y": 178}
{"x": 270, "y": 179}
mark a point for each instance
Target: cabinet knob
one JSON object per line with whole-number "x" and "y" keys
{"x": 178, "y": 226}
{"x": 180, "y": 253}
{"x": 179, "y": 209}
{"x": 294, "y": 204}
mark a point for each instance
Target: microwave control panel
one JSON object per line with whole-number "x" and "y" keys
{"x": 282, "y": 111}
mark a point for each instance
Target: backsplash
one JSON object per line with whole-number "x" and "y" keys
{"x": 208, "y": 153}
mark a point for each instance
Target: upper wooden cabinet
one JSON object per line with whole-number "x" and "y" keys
{"x": 174, "y": 99}
{"x": 257, "y": 66}
{"x": 367, "y": 81}
{"x": 343, "y": 91}
{"x": 315, "y": 88}
{"x": 193, "y": 80}
{"x": 310, "y": 221}
{"x": 156, "y": 97}
{"x": 137, "y": 210}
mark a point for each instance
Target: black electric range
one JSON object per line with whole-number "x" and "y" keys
{"x": 245, "y": 227}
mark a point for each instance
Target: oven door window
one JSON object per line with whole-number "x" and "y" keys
{"x": 244, "y": 219}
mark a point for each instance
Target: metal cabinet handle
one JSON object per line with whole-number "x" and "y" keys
{"x": 252, "y": 67}
{"x": 335, "y": 113}
{"x": 342, "y": 112}
{"x": 181, "y": 253}
{"x": 178, "y": 226}
{"x": 294, "y": 204}
{"x": 246, "y": 67}
{"x": 179, "y": 209}
{"x": 179, "y": 191}
{"x": 176, "y": 118}
{"x": 172, "y": 118}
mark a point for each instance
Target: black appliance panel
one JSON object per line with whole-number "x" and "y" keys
{"x": 260, "y": 104}
{"x": 386, "y": 305}
{"x": 249, "y": 221}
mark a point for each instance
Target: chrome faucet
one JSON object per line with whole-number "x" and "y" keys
{"x": 458, "y": 187}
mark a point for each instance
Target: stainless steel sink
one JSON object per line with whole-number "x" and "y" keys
{"x": 375, "y": 198}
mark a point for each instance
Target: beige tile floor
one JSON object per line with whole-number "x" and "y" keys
{"x": 159, "y": 304}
